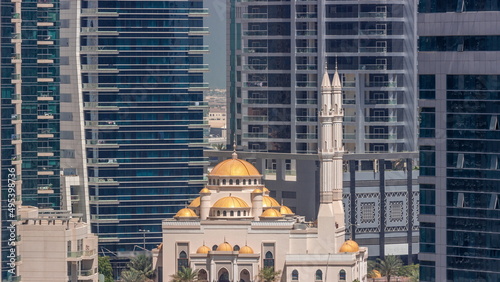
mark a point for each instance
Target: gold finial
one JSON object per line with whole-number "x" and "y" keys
{"x": 336, "y": 59}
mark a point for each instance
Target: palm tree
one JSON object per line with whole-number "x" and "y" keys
{"x": 185, "y": 274}
{"x": 389, "y": 266}
{"x": 142, "y": 264}
{"x": 132, "y": 276}
{"x": 267, "y": 274}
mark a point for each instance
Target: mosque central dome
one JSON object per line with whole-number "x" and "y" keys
{"x": 230, "y": 202}
{"x": 234, "y": 167}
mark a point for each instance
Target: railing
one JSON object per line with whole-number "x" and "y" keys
{"x": 255, "y": 32}
{"x": 255, "y": 15}
{"x": 307, "y": 136}
{"x": 16, "y": 157}
{"x": 15, "y": 137}
{"x": 102, "y": 180}
{"x": 45, "y": 93}
{"x": 45, "y": 187}
{"x": 104, "y": 217}
{"x": 15, "y": 116}
{"x": 349, "y": 101}
{"x": 308, "y": 15}
{"x": 255, "y": 135}
{"x": 255, "y": 118}
{"x": 255, "y": 84}
{"x": 255, "y": 50}
{"x": 100, "y": 142}
{"x": 350, "y": 118}
{"x": 16, "y": 56}
{"x": 307, "y": 49}
{"x": 373, "y": 67}
{"x": 16, "y": 76}
{"x": 372, "y": 32}
{"x": 373, "y": 49}
{"x": 306, "y": 84}
{"x": 255, "y": 101}
{"x": 16, "y": 36}
{"x": 306, "y": 67}
{"x": 102, "y": 161}
{"x": 45, "y": 149}
{"x": 382, "y": 84}
{"x": 306, "y": 32}
{"x": 380, "y": 136}
{"x": 381, "y": 102}
{"x": 74, "y": 254}
{"x": 349, "y": 136}
{"x": 381, "y": 119}
{"x": 307, "y": 101}
{"x": 86, "y": 272}
{"x": 256, "y": 67}
{"x": 16, "y": 16}
{"x": 101, "y": 123}
{"x": 373, "y": 14}
{"x": 45, "y": 131}
{"x": 307, "y": 119}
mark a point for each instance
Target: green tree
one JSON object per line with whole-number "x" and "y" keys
{"x": 267, "y": 274}
{"x": 142, "y": 264}
{"x": 185, "y": 274}
{"x": 411, "y": 271}
{"x": 389, "y": 266}
{"x": 133, "y": 276}
{"x": 105, "y": 268}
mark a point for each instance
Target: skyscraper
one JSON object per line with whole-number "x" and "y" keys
{"x": 459, "y": 95}
{"x": 102, "y": 112}
{"x": 277, "y": 51}
{"x": 142, "y": 82}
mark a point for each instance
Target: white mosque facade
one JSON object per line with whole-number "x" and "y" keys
{"x": 234, "y": 228}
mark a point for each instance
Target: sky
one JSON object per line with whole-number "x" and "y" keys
{"x": 216, "y": 42}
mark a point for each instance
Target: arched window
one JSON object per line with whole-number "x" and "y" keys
{"x": 214, "y": 247}
{"x": 218, "y": 181}
{"x": 230, "y": 182}
{"x": 239, "y": 213}
{"x": 224, "y": 213}
{"x": 237, "y": 182}
{"x": 218, "y": 213}
{"x": 255, "y": 181}
{"x": 182, "y": 260}
{"x": 319, "y": 275}
{"x": 295, "y": 275}
{"x": 269, "y": 260}
{"x": 223, "y": 181}
{"x": 244, "y": 276}
{"x": 236, "y": 248}
{"x": 232, "y": 213}
{"x": 223, "y": 275}
{"x": 342, "y": 275}
{"x": 244, "y": 182}
{"x": 202, "y": 275}
{"x": 244, "y": 213}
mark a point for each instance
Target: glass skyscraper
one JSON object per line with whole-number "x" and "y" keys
{"x": 142, "y": 88}
{"x": 102, "y": 113}
{"x": 459, "y": 96}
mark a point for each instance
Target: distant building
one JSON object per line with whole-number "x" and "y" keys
{"x": 459, "y": 88}
{"x": 235, "y": 228}
{"x": 55, "y": 246}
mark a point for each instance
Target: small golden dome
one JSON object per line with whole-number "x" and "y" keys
{"x": 349, "y": 246}
{"x": 376, "y": 274}
{"x": 286, "y": 210}
{"x": 269, "y": 202}
{"x": 203, "y": 250}
{"x": 195, "y": 203}
{"x": 185, "y": 212}
{"x": 257, "y": 191}
{"x": 246, "y": 250}
{"x": 266, "y": 190}
{"x": 271, "y": 213}
{"x": 234, "y": 167}
{"x": 230, "y": 202}
{"x": 225, "y": 247}
{"x": 205, "y": 191}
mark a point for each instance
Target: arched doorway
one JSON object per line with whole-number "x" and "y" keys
{"x": 202, "y": 275}
{"x": 244, "y": 276}
{"x": 223, "y": 275}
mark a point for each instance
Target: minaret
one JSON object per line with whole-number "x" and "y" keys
{"x": 331, "y": 224}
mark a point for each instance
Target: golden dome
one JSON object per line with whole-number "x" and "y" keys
{"x": 349, "y": 246}
{"x": 269, "y": 202}
{"x": 234, "y": 167}
{"x": 246, "y": 250}
{"x": 286, "y": 210}
{"x": 271, "y": 213}
{"x": 195, "y": 203}
{"x": 230, "y": 202}
{"x": 376, "y": 274}
{"x": 266, "y": 190}
{"x": 203, "y": 250}
{"x": 225, "y": 247}
{"x": 205, "y": 191}
{"x": 185, "y": 212}
{"x": 257, "y": 191}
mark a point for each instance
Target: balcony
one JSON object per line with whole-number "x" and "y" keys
{"x": 372, "y": 32}
{"x": 74, "y": 256}
{"x": 256, "y": 135}
{"x": 45, "y": 133}
{"x": 349, "y": 118}
{"x": 45, "y": 115}
{"x": 45, "y": 152}
{"x": 255, "y": 32}
{"x": 255, "y": 50}
{"x": 45, "y": 40}
{"x": 16, "y": 119}
{"x": 382, "y": 84}
{"x": 307, "y": 119}
{"x": 75, "y": 198}
{"x": 380, "y": 15}
{"x": 307, "y": 136}
{"x": 100, "y": 106}
{"x": 381, "y": 102}
{"x": 381, "y": 136}
{"x": 16, "y": 58}
{"x": 198, "y": 31}
{"x": 97, "y": 50}
{"x": 96, "y": 86}
{"x": 306, "y": 84}
{"x": 372, "y": 49}
{"x": 255, "y": 84}
{"x": 102, "y": 162}
{"x": 306, "y": 67}
{"x": 98, "y": 12}
{"x": 198, "y": 50}
{"x": 95, "y": 30}
{"x": 103, "y": 200}
{"x": 198, "y": 68}
{"x": 373, "y": 66}
{"x": 255, "y": 118}
{"x": 87, "y": 274}
{"x": 45, "y": 189}
{"x": 255, "y": 67}
{"x": 16, "y": 159}
{"x": 110, "y": 124}
{"x": 198, "y": 12}
{"x": 101, "y": 144}
{"x": 104, "y": 218}
{"x": 259, "y": 101}
{"x": 16, "y": 98}
{"x": 16, "y": 78}
{"x": 307, "y": 101}
{"x": 306, "y": 50}
{"x": 381, "y": 119}
{"x": 16, "y": 38}
{"x": 45, "y": 4}
{"x": 306, "y": 32}
{"x": 255, "y": 15}
{"x": 102, "y": 181}
{"x": 16, "y": 138}
{"x": 306, "y": 15}
{"x": 103, "y": 68}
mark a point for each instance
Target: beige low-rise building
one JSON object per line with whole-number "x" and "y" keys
{"x": 55, "y": 246}
{"x": 234, "y": 228}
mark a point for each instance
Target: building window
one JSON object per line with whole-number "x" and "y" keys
{"x": 236, "y": 248}
{"x": 202, "y": 275}
{"x": 269, "y": 260}
{"x": 230, "y": 182}
{"x": 214, "y": 247}
{"x": 319, "y": 275}
{"x": 342, "y": 276}
{"x": 218, "y": 213}
{"x": 295, "y": 275}
{"x": 232, "y": 213}
{"x": 182, "y": 261}
{"x": 224, "y": 213}
{"x": 239, "y": 213}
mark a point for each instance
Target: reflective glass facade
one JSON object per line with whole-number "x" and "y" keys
{"x": 142, "y": 82}
{"x": 459, "y": 141}
{"x": 30, "y": 111}
{"x": 278, "y": 51}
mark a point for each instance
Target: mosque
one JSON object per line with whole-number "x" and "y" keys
{"x": 234, "y": 228}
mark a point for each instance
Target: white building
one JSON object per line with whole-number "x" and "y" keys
{"x": 235, "y": 228}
